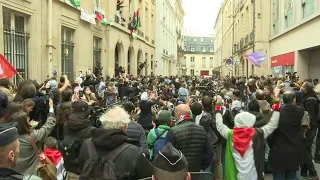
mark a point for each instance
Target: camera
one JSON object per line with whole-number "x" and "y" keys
{"x": 80, "y": 93}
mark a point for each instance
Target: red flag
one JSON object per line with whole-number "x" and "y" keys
{"x": 99, "y": 17}
{"x": 6, "y": 69}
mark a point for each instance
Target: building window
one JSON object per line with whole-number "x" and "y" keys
{"x": 275, "y": 16}
{"x": 191, "y": 72}
{"x": 211, "y": 62}
{"x": 194, "y": 39}
{"x": 192, "y": 49}
{"x": 203, "y": 62}
{"x": 288, "y": 13}
{"x": 192, "y": 62}
{"x": 67, "y": 46}
{"x": 151, "y": 62}
{"x": 16, "y": 42}
{"x": 203, "y": 49}
{"x": 201, "y": 40}
{"x": 96, "y": 3}
{"x": 184, "y": 48}
{"x": 184, "y": 62}
{"x": 211, "y": 49}
{"x": 96, "y": 52}
{"x": 211, "y": 40}
{"x": 308, "y": 7}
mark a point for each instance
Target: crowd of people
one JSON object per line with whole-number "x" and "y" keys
{"x": 160, "y": 128}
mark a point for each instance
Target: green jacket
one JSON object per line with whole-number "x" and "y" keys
{"x": 152, "y": 137}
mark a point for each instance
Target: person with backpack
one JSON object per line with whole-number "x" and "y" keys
{"x": 110, "y": 154}
{"x": 76, "y": 130}
{"x": 156, "y": 137}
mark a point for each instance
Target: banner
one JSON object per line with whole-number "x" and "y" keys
{"x": 86, "y": 16}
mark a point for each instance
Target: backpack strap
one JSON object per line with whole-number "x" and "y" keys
{"x": 112, "y": 155}
{"x": 91, "y": 148}
{"x": 159, "y": 135}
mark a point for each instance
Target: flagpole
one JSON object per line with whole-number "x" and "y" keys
{"x": 20, "y": 76}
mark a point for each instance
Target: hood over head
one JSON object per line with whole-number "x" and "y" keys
{"x": 244, "y": 120}
{"x": 76, "y": 122}
{"x": 108, "y": 138}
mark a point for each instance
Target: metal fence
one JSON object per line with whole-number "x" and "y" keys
{"x": 16, "y": 50}
{"x": 67, "y": 58}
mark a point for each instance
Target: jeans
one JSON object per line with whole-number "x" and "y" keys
{"x": 286, "y": 176}
{"x": 309, "y": 166}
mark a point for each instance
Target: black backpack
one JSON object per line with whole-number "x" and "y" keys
{"x": 101, "y": 168}
{"x": 70, "y": 146}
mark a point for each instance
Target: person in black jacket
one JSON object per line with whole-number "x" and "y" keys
{"x": 145, "y": 117}
{"x": 191, "y": 139}
{"x": 130, "y": 163}
{"x": 254, "y": 109}
{"x": 311, "y": 104}
{"x": 286, "y": 142}
{"x": 78, "y": 127}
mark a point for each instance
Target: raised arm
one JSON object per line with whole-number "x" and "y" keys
{"x": 223, "y": 129}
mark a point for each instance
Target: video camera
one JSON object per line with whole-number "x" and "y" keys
{"x": 292, "y": 76}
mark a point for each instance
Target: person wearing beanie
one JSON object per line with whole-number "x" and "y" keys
{"x": 159, "y": 134}
{"x": 191, "y": 139}
{"x": 9, "y": 153}
{"x": 170, "y": 164}
{"x": 245, "y": 145}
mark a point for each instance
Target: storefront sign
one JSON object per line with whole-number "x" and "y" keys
{"x": 283, "y": 60}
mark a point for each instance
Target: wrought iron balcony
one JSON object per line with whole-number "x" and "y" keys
{"x": 246, "y": 40}
{"x": 242, "y": 43}
{"x": 251, "y": 38}
{"x": 140, "y": 33}
{"x": 152, "y": 41}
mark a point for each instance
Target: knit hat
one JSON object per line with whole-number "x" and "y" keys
{"x": 8, "y": 133}
{"x": 164, "y": 116}
{"x": 170, "y": 159}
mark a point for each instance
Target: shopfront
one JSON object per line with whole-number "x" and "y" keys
{"x": 282, "y": 64}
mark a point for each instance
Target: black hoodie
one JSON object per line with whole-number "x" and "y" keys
{"x": 130, "y": 164}
{"x": 79, "y": 128}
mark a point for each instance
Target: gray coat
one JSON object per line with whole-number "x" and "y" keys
{"x": 27, "y": 162}
{"x": 136, "y": 132}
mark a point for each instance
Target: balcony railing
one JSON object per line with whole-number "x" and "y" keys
{"x": 152, "y": 41}
{"x": 238, "y": 47}
{"x": 140, "y": 33}
{"x": 147, "y": 38}
{"x": 251, "y": 38}
{"x": 166, "y": 52}
{"x": 246, "y": 40}
{"x": 242, "y": 43}
{"x": 234, "y": 48}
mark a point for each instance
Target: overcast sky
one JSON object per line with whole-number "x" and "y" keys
{"x": 200, "y": 15}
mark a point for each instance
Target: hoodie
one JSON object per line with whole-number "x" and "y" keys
{"x": 245, "y": 145}
{"x": 130, "y": 163}
{"x": 56, "y": 158}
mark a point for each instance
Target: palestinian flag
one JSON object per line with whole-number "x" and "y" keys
{"x": 105, "y": 22}
{"x": 138, "y": 25}
{"x": 99, "y": 17}
{"x": 75, "y": 3}
{"x": 239, "y": 140}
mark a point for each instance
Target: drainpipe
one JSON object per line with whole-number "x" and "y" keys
{"x": 50, "y": 46}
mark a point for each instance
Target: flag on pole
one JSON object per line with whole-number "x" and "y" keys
{"x": 99, "y": 17}
{"x": 256, "y": 58}
{"x": 86, "y": 16}
{"x": 6, "y": 69}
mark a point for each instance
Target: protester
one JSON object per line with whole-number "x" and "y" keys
{"x": 311, "y": 104}
{"x": 135, "y": 131}
{"x": 286, "y": 142}
{"x": 129, "y": 161}
{"x": 5, "y": 87}
{"x": 28, "y": 158}
{"x": 156, "y": 137}
{"x": 145, "y": 116}
{"x": 191, "y": 139}
{"x": 245, "y": 145}
{"x": 52, "y": 152}
{"x": 76, "y": 130}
